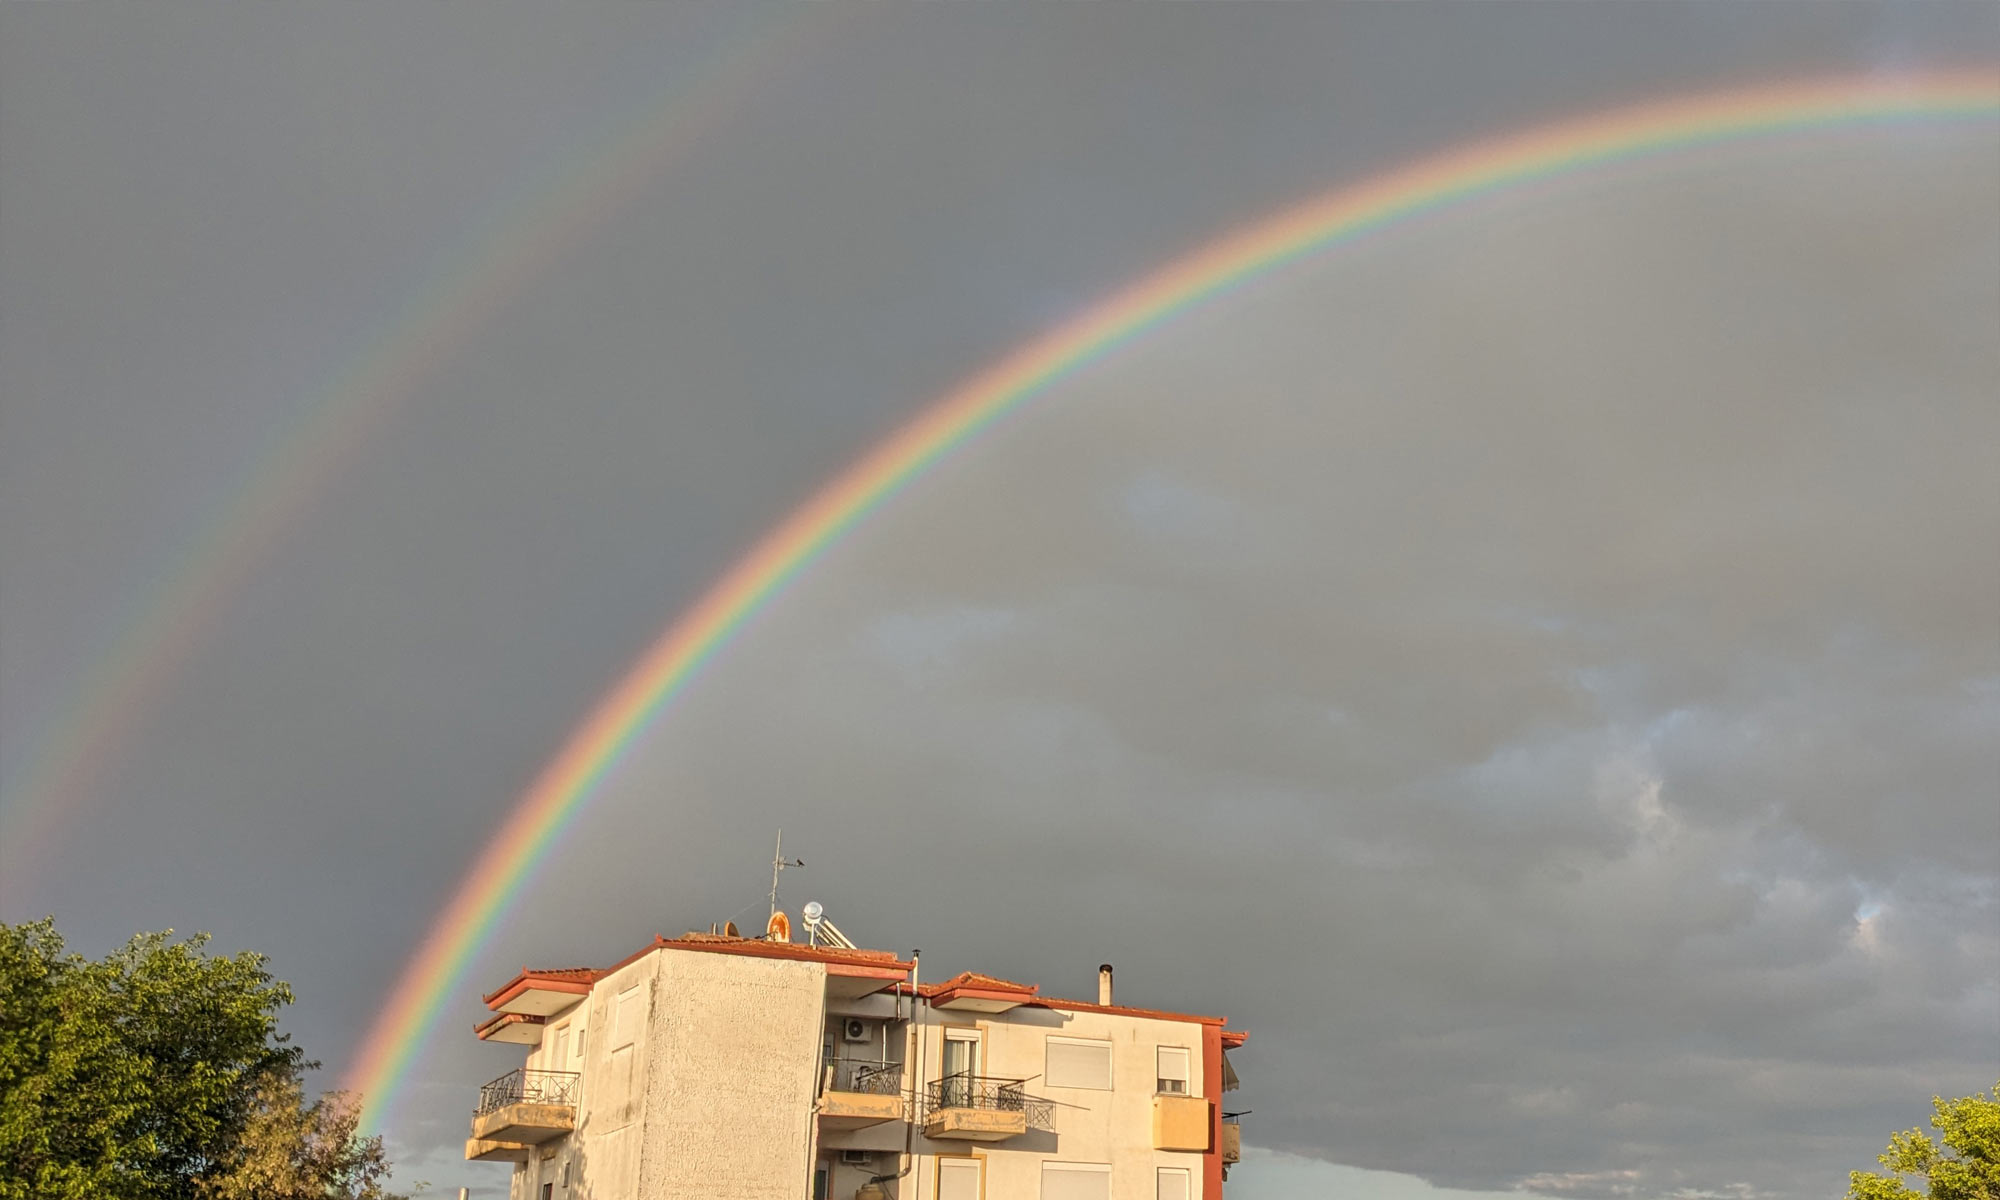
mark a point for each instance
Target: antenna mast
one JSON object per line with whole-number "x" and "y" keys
{"x": 778, "y": 864}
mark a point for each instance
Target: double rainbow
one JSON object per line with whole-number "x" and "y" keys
{"x": 432, "y": 979}
{"x": 567, "y": 199}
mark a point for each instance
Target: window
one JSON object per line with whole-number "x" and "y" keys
{"x": 1176, "y": 1183}
{"x": 819, "y": 1181}
{"x": 620, "y": 1075}
{"x": 1078, "y": 1063}
{"x": 548, "y": 1191}
{"x": 1173, "y": 1078}
{"x": 625, "y": 1017}
{"x": 961, "y": 1052}
{"x": 1076, "y": 1181}
{"x": 960, "y": 1178}
{"x": 961, "y": 1063}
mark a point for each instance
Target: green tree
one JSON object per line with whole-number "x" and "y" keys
{"x": 137, "y": 1076}
{"x": 294, "y": 1151}
{"x": 1965, "y": 1167}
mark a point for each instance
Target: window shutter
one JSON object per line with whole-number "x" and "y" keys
{"x": 1076, "y": 1181}
{"x": 958, "y": 1179}
{"x": 1076, "y": 1063}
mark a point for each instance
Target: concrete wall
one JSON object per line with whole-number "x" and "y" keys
{"x": 730, "y": 1077}
{"x": 698, "y": 1074}
{"x": 602, "y": 1155}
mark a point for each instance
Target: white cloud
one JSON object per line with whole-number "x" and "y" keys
{"x": 1274, "y": 1175}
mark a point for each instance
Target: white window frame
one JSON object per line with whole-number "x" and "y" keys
{"x": 1161, "y": 1078}
{"x": 1183, "y": 1174}
{"x": 965, "y": 1033}
{"x": 1110, "y": 1073}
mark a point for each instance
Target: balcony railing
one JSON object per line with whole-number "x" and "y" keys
{"x": 866, "y": 1078}
{"x": 987, "y": 1094}
{"x": 523, "y": 1086}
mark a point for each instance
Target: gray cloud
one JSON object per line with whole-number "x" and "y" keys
{"x": 1568, "y": 743}
{"x": 1535, "y": 668}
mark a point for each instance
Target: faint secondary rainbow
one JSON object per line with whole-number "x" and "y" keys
{"x": 431, "y": 979}
{"x": 572, "y": 196}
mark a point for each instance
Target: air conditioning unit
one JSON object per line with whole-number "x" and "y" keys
{"x": 854, "y": 1029}
{"x": 857, "y": 1158}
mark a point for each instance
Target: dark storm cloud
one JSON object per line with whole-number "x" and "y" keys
{"x": 1563, "y": 730}
{"x": 1536, "y": 670}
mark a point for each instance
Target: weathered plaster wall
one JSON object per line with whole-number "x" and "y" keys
{"x": 604, "y": 1150}
{"x": 729, "y": 1085}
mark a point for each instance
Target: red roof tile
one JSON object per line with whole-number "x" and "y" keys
{"x": 869, "y": 962}
{"x": 1154, "y": 1014}
{"x": 559, "y": 975}
{"x": 720, "y": 941}
{"x": 973, "y": 980}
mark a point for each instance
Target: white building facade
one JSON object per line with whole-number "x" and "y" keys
{"x": 757, "y": 1069}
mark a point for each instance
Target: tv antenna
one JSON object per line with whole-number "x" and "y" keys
{"x": 778, "y": 864}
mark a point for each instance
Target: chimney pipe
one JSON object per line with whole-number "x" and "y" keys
{"x": 1104, "y": 984}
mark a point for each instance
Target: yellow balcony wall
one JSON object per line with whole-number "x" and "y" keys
{"x": 486, "y": 1150}
{"x": 857, "y": 1110}
{"x": 1180, "y": 1123}
{"x": 975, "y": 1124}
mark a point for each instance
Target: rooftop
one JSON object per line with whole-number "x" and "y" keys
{"x": 967, "y": 989}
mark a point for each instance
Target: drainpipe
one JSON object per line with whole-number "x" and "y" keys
{"x": 818, "y": 1075}
{"x": 916, "y": 1039}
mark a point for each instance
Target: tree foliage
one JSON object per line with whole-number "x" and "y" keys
{"x": 1963, "y": 1164}
{"x": 139, "y": 1076}
{"x": 294, "y": 1151}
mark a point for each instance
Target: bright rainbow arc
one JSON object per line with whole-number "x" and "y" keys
{"x": 433, "y": 974}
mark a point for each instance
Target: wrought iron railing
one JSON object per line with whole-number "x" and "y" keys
{"x": 993, "y": 1095}
{"x": 523, "y": 1086}
{"x": 857, "y": 1075}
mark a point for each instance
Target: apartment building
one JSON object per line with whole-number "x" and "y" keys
{"x": 714, "y": 1065}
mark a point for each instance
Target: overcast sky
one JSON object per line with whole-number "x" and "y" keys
{"x": 1538, "y": 669}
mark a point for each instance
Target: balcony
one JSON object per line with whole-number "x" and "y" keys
{"x": 976, "y": 1108}
{"x": 854, "y": 1094}
{"x": 1180, "y": 1123}
{"x": 482, "y": 1150}
{"x": 1232, "y": 1140}
{"x": 525, "y": 1108}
